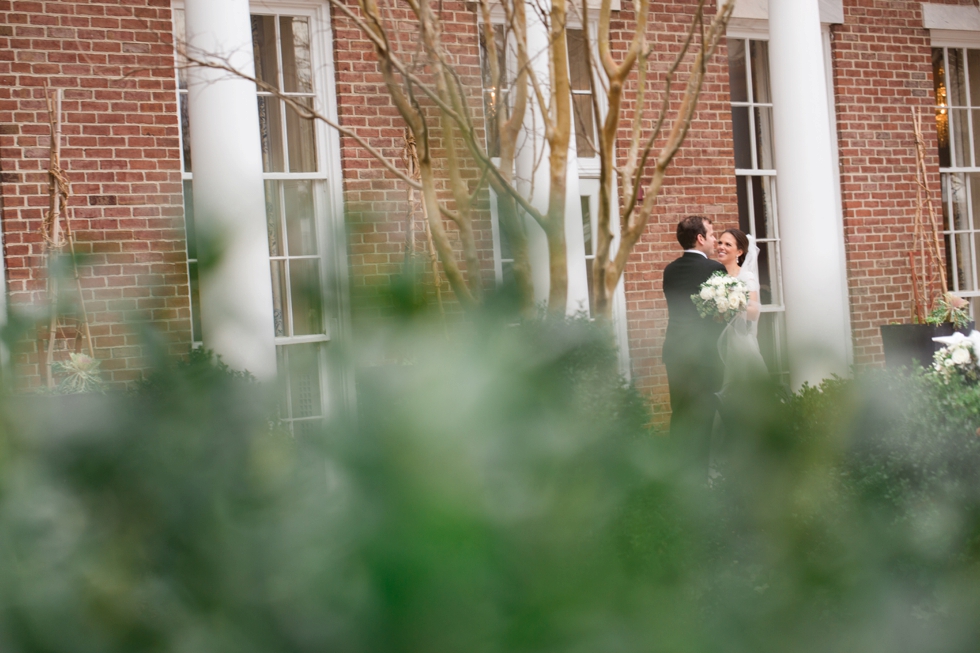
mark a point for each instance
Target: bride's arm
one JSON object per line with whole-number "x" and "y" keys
{"x": 753, "y": 310}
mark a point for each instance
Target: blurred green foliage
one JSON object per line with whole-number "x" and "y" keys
{"x": 497, "y": 491}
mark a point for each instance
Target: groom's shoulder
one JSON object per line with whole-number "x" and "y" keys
{"x": 715, "y": 266}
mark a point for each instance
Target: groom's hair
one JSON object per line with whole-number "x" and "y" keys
{"x": 690, "y": 228}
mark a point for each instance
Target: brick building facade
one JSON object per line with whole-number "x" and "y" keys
{"x": 122, "y": 151}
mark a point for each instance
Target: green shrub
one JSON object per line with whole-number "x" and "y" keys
{"x": 499, "y": 491}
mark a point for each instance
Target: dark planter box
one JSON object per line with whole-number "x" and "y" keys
{"x": 904, "y": 343}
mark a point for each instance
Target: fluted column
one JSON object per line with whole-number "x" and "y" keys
{"x": 811, "y": 232}
{"x": 229, "y": 200}
{"x": 533, "y": 172}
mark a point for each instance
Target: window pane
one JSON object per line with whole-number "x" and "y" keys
{"x": 189, "y": 229}
{"x": 507, "y": 272}
{"x": 264, "y": 50}
{"x": 586, "y": 224}
{"x": 974, "y": 181}
{"x": 973, "y": 69}
{"x": 584, "y": 126}
{"x": 956, "y": 78}
{"x": 297, "y": 68}
{"x": 270, "y": 131}
{"x": 759, "y": 51}
{"x": 976, "y": 132}
{"x": 590, "y": 280}
{"x": 964, "y": 262}
{"x": 273, "y": 217}
{"x": 304, "y": 287}
{"x": 961, "y": 137}
{"x": 942, "y": 111}
{"x": 947, "y": 242}
{"x": 942, "y": 131}
{"x": 939, "y": 76}
{"x": 499, "y": 43}
{"x": 736, "y": 71}
{"x": 742, "y": 192}
{"x": 742, "y": 134}
{"x": 772, "y": 343}
{"x": 280, "y": 315}
{"x": 763, "y": 191}
{"x": 300, "y": 221}
{"x": 302, "y": 139}
{"x": 763, "y": 138}
{"x": 578, "y": 66}
{"x": 769, "y": 289}
{"x": 197, "y": 334}
{"x": 302, "y": 376}
{"x": 505, "y": 252}
{"x": 957, "y": 189}
{"x": 185, "y": 131}
{"x": 494, "y": 95}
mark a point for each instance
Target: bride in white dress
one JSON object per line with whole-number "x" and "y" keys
{"x": 738, "y": 345}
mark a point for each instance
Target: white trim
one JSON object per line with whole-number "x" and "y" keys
{"x": 831, "y": 13}
{"x": 950, "y": 17}
{"x": 951, "y": 38}
{"x": 748, "y": 28}
{"x": 757, "y": 9}
{"x": 828, "y": 56}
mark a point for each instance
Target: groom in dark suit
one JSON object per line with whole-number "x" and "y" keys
{"x": 690, "y": 353}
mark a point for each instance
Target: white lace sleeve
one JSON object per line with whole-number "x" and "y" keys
{"x": 749, "y": 274}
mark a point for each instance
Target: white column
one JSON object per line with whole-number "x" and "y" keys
{"x": 533, "y": 170}
{"x": 814, "y": 281}
{"x": 229, "y": 200}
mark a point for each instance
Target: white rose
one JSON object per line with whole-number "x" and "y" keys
{"x": 961, "y": 356}
{"x": 738, "y": 300}
{"x": 948, "y": 362}
{"x": 707, "y": 293}
{"x": 722, "y": 304}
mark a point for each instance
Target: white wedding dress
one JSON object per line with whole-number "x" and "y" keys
{"x": 738, "y": 345}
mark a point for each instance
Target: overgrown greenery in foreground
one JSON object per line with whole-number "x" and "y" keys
{"x": 501, "y": 493}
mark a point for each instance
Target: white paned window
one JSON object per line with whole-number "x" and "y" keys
{"x": 186, "y": 175}
{"x": 581, "y": 83}
{"x": 285, "y": 51}
{"x": 494, "y": 95}
{"x": 589, "y": 200}
{"x": 755, "y": 178}
{"x": 956, "y": 75}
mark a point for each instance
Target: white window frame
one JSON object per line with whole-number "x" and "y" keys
{"x": 758, "y": 30}
{"x": 335, "y": 386}
{"x": 960, "y": 40}
{"x": 588, "y": 170}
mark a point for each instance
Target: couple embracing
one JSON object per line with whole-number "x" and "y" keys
{"x": 705, "y": 358}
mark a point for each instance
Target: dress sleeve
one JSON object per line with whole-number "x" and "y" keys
{"x": 749, "y": 279}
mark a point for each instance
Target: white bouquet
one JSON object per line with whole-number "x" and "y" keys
{"x": 721, "y": 297}
{"x": 959, "y": 357}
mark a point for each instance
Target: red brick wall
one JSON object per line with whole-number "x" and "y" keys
{"x": 882, "y": 70}
{"x": 375, "y": 201}
{"x": 120, "y": 150}
{"x": 700, "y": 181}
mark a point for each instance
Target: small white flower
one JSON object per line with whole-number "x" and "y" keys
{"x": 961, "y": 356}
{"x": 948, "y": 362}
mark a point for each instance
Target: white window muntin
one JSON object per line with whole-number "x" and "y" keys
{"x": 756, "y": 172}
{"x": 956, "y": 112}
{"x": 327, "y": 200}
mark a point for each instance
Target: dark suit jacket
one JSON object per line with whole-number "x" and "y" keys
{"x": 691, "y": 340}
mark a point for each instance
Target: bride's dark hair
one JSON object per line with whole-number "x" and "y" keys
{"x": 741, "y": 241}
